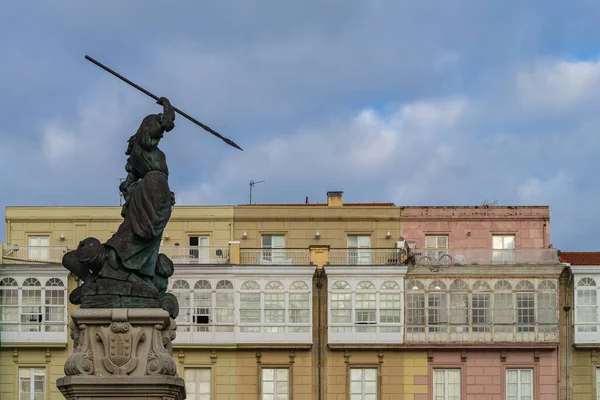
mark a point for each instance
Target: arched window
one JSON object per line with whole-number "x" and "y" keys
{"x": 503, "y": 307}
{"x": 366, "y": 304}
{"x": 31, "y": 310}
{"x": 250, "y": 306}
{"x": 9, "y": 312}
{"x": 181, "y": 290}
{"x": 525, "y": 301}
{"x": 224, "y": 307}
{"x": 481, "y": 307}
{"x": 437, "y": 306}
{"x": 201, "y": 314}
{"x": 547, "y": 306}
{"x": 586, "y": 306}
{"x": 459, "y": 306}
{"x": 341, "y": 307}
{"x": 54, "y": 303}
{"x": 274, "y": 307}
{"x": 415, "y": 306}
{"x": 390, "y": 310}
{"x": 299, "y": 307}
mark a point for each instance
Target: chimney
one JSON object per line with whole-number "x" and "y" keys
{"x": 335, "y": 199}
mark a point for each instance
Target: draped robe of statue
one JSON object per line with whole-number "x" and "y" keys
{"x": 148, "y": 199}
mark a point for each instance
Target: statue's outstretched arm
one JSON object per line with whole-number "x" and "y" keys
{"x": 168, "y": 115}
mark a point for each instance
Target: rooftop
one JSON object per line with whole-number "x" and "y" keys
{"x": 580, "y": 257}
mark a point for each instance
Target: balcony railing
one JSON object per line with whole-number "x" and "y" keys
{"x": 354, "y": 333}
{"x": 197, "y": 254}
{"x": 275, "y": 256}
{"x": 484, "y": 256}
{"x": 365, "y": 256}
{"x": 482, "y": 334}
{"x": 254, "y": 333}
{"x": 33, "y": 254}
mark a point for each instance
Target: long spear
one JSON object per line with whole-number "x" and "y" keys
{"x": 141, "y": 89}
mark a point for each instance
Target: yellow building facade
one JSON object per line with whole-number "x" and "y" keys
{"x": 291, "y": 301}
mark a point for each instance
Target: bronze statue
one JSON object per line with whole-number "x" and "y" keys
{"x": 127, "y": 270}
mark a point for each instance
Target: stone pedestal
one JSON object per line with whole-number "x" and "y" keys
{"x": 121, "y": 353}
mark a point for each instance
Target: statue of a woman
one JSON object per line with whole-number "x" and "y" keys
{"x": 148, "y": 199}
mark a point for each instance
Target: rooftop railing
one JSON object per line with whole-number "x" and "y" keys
{"x": 33, "y": 254}
{"x": 484, "y": 256}
{"x": 275, "y": 256}
{"x": 197, "y": 254}
{"x": 365, "y": 256}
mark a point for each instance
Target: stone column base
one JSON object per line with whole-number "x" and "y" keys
{"x": 160, "y": 387}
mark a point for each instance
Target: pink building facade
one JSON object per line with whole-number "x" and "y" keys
{"x": 482, "y": 296}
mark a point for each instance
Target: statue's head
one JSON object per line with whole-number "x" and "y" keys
{"x": 91, "y": 252}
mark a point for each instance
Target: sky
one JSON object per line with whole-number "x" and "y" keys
{"x": 412, "y": 102}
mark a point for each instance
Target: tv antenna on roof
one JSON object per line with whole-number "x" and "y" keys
{"x": 252, "y": 183}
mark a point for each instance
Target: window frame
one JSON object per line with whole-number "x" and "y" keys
{"x": 518, "y": 365}
{"x": 359, "y": 254}
{"x": 38, "y": 254}
{"x": 503, "y": 254}
{"x": 445, "y": 367}
{"x": 32, "y": 368}
{"x": 519, "y": 382}
{"x": 195, "y": 367}
{"x": 273, "y": 253}
{"x": 275, "y": 367}
{"x": 199, "y": 253}
{"x": 363, "y": 367}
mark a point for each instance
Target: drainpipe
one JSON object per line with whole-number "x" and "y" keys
{"x": 320, "y": 278}
{"x": 567, "y": 309}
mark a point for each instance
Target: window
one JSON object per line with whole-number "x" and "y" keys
{"x": 273, "y": 246}
{"x": 586, "y": 317}
{"x": 274, "y": 307}
{"x": 519, "y": 384}
{"x": 224, "y": 306}
{"x": 503, "y": 249}
{"x": 9, "y": 299}
{"x": 437, "y": 306}
{"x": 299, "y": 306}
{"x": 547, "y": 306}
{"x": 363, "y": 383}
{"x": 503, "y": 307}
{"x": 197, "y": 383}
{"x": 389, "y": 306}
{"x": 275, "y": 384}
{"x": 54, "y": 305}
{"x": 32, "y": 384}
{"x": 31, "y": 310}
{"x": 415, "y": 306}
{"x": 446, "y": 384}
{"x": 181, "y": 290}
{"x": 437, "y": 247}
{"x": 362, "y": 244}
{"x": 481, "y": 318}
{"x": 202, "y": 306}
{"x": 459, "y": 306}
{"x": 39, "y": 248}
{"x": 341, "y": 306}
{"x": 525, "y": 306}
{"x": 250, "y": 306}
{"x": 365, "y": 305}
{"x": 201, "y": 254}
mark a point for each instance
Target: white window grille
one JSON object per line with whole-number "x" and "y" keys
{"x": 390, "y": 311}
{"x": 198, "y": 383}
{"x": 481, "y": 318}
{"x": 54, "y": 305}
{"x": 199, "y": 251}
{"x": 341, "y": 306}
{"x": 365, "y": 305}
{"x": 415, "y": 306}
{"x": 273, "y": 248}
{"x": 446, "y": 384}
{"x": 525, "y": 297}
{"x": 39, "y": 248}
{"x": 275, "y": 384}
{"x": 437, "y": 297}
{"x": 586, "y": 315}
{"x": 547, "y": 306}
{"x": 363, "y": 383}
{"x": 31, "y": 309}
{"x": 519, "y": 384}
{"x": 437, "y": 247}
{"x": 32, "y": 383}
{"x": 459, "y": 306}
{"x": 224, "y": 306}
{"x": 9, "y": 299}
{"x": 274, "y": 307}
{"x": 299, "y": 307}
{"x": 181, "y": 290}
{"x": 202, "y": 311}
{"x": 360, "y": 249}
{"x": 250, "y": 307}
{"x": 503, "y": 249}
